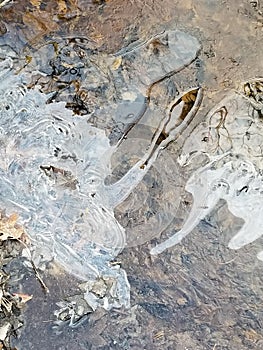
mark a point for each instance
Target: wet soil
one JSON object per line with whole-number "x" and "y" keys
{"x": 199, "y": 294}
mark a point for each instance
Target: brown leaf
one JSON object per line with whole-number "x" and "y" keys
{"x": 24, "y": 298}
{"x": 117, "y": 62}
{"x": 252, "y": 335}
{"x": 9, "y": 228}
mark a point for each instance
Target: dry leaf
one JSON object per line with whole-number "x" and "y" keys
{"x": 36, "y": 3}
{"x": 252, "y": 335}
{"x": 9, "y": 228}
{"x": 4, "y": 330}
{"x": 62, "y": 7}
{"x": 117, "y": 62}
{"x": 24, "y": 298}
{"x": 7, "y": 304}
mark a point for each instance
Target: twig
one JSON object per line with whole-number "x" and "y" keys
{"x": 40, "y": 280}
{"x": 38, "y": 277}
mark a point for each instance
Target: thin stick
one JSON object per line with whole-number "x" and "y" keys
{"x": 38, "y": 277}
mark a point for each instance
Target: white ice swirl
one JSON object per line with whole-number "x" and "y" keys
{"x": 53, "y": 166}
{"x": 231, "y": 139}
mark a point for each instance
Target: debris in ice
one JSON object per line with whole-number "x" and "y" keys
{"x": 53, "y": 167}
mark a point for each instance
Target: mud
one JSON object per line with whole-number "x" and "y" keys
{"x": 199, "y": 294}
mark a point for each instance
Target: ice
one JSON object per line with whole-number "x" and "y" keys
{"x": 54, "y": 163}
{"x": 230, "y": 139}
{"x": 52, "y": 169}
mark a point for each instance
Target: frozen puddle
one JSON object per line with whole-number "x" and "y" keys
{"x": 231, "y": 139}
{"x": 53, "y": 165}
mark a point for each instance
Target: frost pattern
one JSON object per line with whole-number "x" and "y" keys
{"x": 231, "y": 139}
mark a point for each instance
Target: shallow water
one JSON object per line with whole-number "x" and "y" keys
{"x": 196, "y": 295}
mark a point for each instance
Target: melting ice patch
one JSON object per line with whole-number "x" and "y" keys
{"x": 45, "y": 152}
{"x": 231, "y": 138}
{"x": 53, "y": 167}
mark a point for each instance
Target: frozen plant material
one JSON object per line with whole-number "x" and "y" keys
{"x": 231, "y": 138}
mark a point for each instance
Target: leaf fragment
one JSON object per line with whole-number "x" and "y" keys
{"x": 24, "y": 298}
{"x": 117, "y": 62}
{"x": 9, "y": 228}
